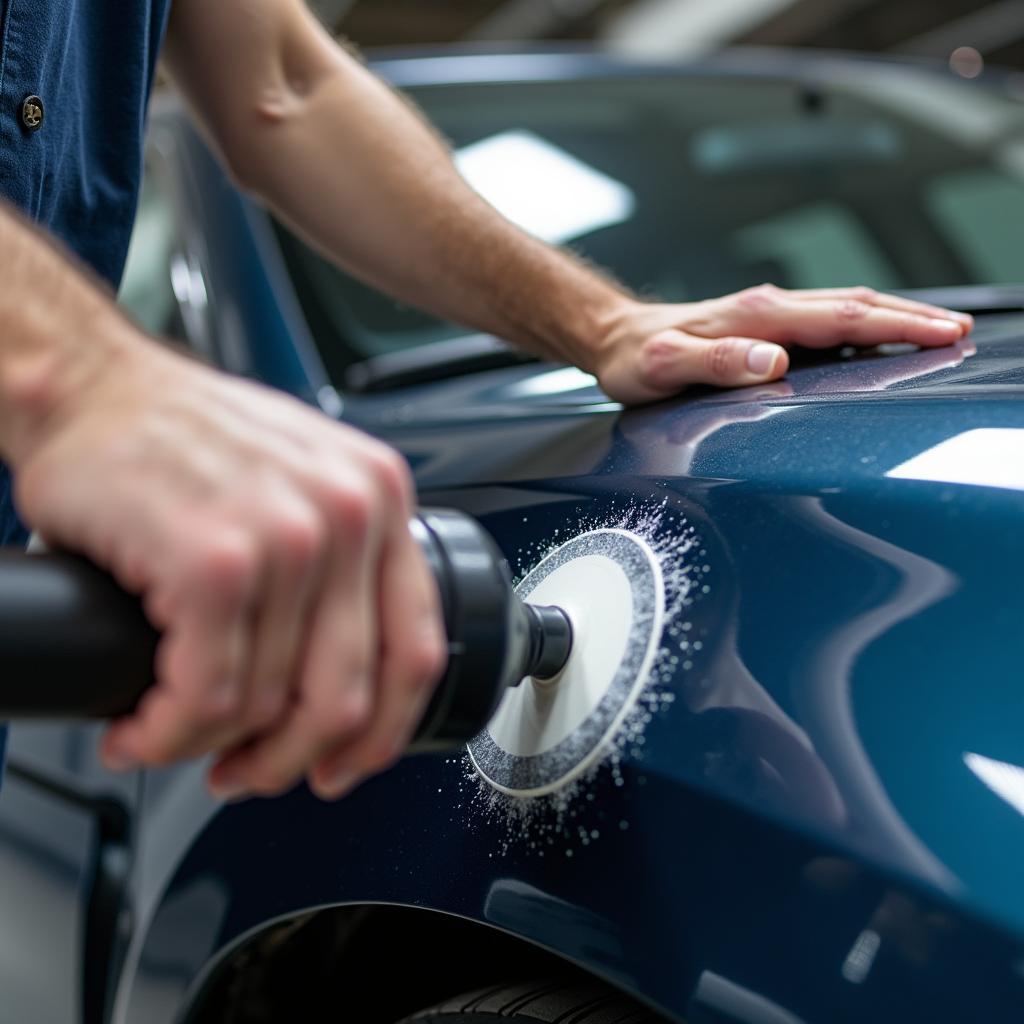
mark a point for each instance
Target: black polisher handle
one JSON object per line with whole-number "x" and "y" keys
{"x": 73, "y": 644}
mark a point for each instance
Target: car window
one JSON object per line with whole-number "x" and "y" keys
{"x": 819, "y": 245}
{"x": 982, "y": 214}
{"x": 686, "y": 187}
{"x": 146, "y": 291}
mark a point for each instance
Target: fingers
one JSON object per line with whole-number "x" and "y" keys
{"x": 671, "y": 360}
{"x": 823, "y": 323}
{"x": 294, "y": 574}
{"x": 264, "y": 540}
{"x": 333, "y": 697}
{"x": 872, "y": 298}
{"x": 202, "y": 659}
{"x": 817, "y": 321}
{"x": 370, "y": 655}
{"x": 413, "y": 655}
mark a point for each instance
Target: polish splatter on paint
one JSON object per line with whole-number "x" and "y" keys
{"x": 565, "y": 822}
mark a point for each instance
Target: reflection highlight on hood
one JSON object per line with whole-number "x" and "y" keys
{"x": 1004, "y": 779}
{"x": 984, "y": 457}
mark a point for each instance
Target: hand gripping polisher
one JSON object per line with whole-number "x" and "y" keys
{"x": 74, "y": 645}
{"x": 538, "y": 681}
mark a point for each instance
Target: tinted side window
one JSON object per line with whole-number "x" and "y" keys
{"x": 981, "y": 211}
{"x": 817, "y": 245}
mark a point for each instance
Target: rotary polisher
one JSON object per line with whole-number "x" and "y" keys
{"x": 74, "y": 645}
{"x": 538, "y": 681}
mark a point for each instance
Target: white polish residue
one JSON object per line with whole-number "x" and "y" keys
{"x": 531, "y": 719}
{"x": 569, "y": 819}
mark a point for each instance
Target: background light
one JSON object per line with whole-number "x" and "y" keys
{"x": 967, "y": 62}
{"x": 542, "y": 188}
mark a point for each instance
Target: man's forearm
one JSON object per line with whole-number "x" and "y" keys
{"x": 355, "y": 170}
{"x": 59, "y": 332}
{"x": 380, "y": 195}
{"x": 358, "y": 172}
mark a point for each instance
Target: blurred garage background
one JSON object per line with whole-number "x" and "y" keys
{"x": 909, "y": 177}
{"x": 773, "y": 163}
{"x": 969, "y": 33}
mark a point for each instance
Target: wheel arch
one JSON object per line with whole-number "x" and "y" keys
{"x": 304, "y": 961}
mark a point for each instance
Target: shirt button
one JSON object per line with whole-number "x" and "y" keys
{"x": 32, "y": 113}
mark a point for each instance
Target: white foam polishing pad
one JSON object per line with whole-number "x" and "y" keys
{"x": 547, "y": 733}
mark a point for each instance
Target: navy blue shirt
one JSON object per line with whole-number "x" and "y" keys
{"x": 91, "y": 64}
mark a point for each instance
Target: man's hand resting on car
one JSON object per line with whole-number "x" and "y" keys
{"x": 652, "y": 351}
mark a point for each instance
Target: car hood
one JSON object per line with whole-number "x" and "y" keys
{"x": 860, "y": 524}
{"x": 837, "y": 417}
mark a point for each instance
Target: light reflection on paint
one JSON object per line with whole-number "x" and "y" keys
{"x": 1004, "y": 779}
{"x": 556, "y": 382}
{"x": 985, "y": 457}
{"x": 859, "y": 961}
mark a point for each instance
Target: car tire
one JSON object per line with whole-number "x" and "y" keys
{"x": 581, "y": 1002}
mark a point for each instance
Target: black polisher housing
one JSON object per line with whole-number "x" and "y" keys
{"x": 73, "y": 644}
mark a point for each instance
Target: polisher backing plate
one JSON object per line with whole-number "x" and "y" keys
{"x": 546, "y": 733}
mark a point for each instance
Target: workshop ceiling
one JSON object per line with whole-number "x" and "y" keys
{"x": 995, "y": 28}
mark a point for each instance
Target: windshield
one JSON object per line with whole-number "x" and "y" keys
{"x": 687, "y": 187}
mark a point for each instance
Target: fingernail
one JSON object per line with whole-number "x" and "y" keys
{"x": 761, "y": 358}
{"x": 949, "y": 325}
{"x": 118, "y": 761}
{"x": 228, "y": 790}
{"x": 336, "y": 786}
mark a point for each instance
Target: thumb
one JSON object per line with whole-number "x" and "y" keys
{"x": 672, "y": 359}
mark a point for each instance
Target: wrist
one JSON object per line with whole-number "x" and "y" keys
{"x": 599, "y": 330}
{"x": 44, "y": 385}
{"x": 620, "y": 326}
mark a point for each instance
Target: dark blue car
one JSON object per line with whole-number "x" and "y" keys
{"x": 820, "y": 815}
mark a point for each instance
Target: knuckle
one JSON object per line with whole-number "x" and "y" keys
{"x": 223, "y": 563}
{"x": 862, "y": 293}
{"x": 340, "y": 717}
{"x": 851, "y": 310}
{"x": 758, "y": 299}
{"x": 425, "y": 663}
{"x": 216, "y": 710}
{"x": 265, "y": 710}
{"x": 719, "y": 357}
{"x": 658, "y": 359}
{"x": 393, "y": 479}
{"x": 349, "y": 509}
{"x": 905, "y": 324}
{"x": 298, "y": 538}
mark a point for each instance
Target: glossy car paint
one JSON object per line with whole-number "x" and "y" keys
{"x": 802, "y": 822}
{"x": 825, "y": 825}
